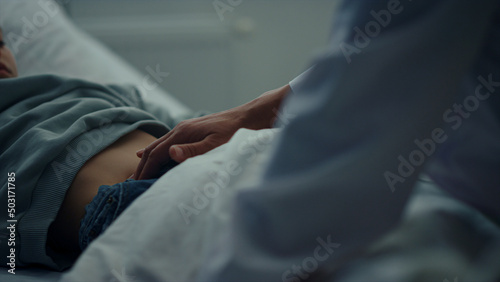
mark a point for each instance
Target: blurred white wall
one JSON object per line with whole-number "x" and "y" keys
{"x": 214, "y": 60}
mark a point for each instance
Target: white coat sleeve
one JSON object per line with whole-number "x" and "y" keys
{"x": 392, "y": 69}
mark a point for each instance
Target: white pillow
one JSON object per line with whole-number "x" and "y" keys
{"x": 45, "y": 41}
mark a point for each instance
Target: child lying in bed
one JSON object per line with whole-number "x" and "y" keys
{"x": 61, "y": 140}
{"x": 72, "y": 145}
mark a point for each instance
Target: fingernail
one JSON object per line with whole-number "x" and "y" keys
{"x": 139, "y": 152}
{"x": 177, "y": 151}
{"x": 132, "y": 176}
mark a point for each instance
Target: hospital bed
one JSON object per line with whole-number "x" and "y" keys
{"x": 167, "y": 232}
{"x": 44, "y": 41}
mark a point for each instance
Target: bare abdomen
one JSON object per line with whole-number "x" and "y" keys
{"x": 114, "y": 164}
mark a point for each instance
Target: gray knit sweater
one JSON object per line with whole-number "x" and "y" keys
{"x": 49, "y": 127}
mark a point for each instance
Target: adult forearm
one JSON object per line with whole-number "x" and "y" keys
{"x": 262, "y": 112}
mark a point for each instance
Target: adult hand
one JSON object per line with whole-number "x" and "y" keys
{"x": 199, "y": 135}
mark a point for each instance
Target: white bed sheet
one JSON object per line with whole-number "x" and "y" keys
{"x": 153, "y": 240}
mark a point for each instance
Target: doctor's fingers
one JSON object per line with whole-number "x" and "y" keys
{"x": 153, "y": 160}
{"x": 154, "y": 155}
{"x": 150, "y": 165}
{"x": 140, "y": 153}
{"x": 182, "y": 152}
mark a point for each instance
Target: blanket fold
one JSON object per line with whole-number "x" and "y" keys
{"x": 49, "y": 127}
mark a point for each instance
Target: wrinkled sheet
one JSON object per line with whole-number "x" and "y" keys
{"x": 166, "y": 233}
